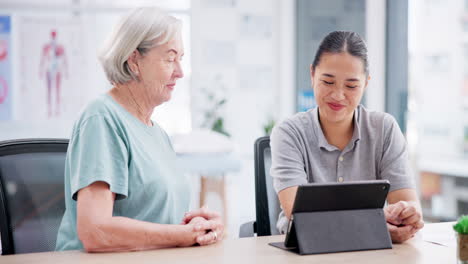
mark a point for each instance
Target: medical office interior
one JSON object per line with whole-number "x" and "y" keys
{"x": 246, "y": 68}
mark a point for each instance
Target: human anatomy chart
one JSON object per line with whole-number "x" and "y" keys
{"x": 5, "y": 69}
{"x": 51, "y": 65}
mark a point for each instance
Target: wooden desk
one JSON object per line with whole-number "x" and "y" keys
{"x": 257, "y": 250}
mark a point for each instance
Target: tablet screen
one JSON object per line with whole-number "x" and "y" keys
{"x": 341, "y": 196}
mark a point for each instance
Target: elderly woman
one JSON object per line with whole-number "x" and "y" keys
{"x": 123, "y": 191}
{"x": 340, "y": 140}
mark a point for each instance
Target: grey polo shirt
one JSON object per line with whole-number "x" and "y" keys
{"x": 301, "y": 154}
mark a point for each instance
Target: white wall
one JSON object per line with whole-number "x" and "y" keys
{"x": 257, "y": 79}
{"x": 91, "y": 79}
{"x": 96, "y": 20}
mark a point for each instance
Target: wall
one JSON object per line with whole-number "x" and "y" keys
{"x": 86, "y": 79}
{"x": 243, "y": 51}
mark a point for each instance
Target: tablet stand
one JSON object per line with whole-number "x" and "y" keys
{"x": 337, "y": 231}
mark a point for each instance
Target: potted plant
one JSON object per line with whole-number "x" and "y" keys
{"x": 215, "y": 104}
{"x": 461, "y": 227}
{"x": 268, "y": 126}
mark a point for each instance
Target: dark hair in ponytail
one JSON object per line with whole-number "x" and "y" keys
{"x": 343, "y": 41}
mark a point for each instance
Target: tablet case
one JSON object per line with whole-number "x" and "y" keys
{"x": 332, "y": 226}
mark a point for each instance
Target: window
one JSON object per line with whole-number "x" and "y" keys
{"x": 438, "y": 103}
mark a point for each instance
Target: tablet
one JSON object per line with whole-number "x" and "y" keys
{"x": 315, "y": 197}
{"x": 320, "y": 197}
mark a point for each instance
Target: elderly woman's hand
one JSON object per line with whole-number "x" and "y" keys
{"x": 213, "y": 222}
{"x": 195, "y": 232}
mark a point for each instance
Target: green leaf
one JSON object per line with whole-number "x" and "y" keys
{"x": 268, "y": 127}
{"x": 218, "y": 126}
{"x": 461, "y": 227}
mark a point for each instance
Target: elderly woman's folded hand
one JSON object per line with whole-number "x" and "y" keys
{"x": 212, "y": 223}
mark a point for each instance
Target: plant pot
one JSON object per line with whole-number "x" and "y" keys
{"x": 462, "y": 248}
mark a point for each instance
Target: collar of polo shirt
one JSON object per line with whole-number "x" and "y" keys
{"x": 322, "y": 141}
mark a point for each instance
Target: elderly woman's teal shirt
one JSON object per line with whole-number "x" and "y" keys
{"x": 137, "y": 161}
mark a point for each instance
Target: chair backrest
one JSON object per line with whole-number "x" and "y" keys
{"x": 31, "y": 194}
{"x": 267, "y": 203}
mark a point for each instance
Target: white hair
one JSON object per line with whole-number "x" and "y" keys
{"x": 141, "y": 29}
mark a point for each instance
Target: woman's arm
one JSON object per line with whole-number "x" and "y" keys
{"x": 286, "y": 198}
{"x": 287, "y": 163}
{"x": 403, "y": 213}
{"x": 99, "y": 231}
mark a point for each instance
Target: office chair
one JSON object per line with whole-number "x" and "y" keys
{"x": 266, "y": 199}
{"x": 31, "y": 194}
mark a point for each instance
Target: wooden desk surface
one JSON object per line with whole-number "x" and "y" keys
{"x": 257, "y": 250}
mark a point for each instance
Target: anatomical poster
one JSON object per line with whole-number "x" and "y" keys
{"x": 51, "y": 67}
{"x": 5, "y": 69}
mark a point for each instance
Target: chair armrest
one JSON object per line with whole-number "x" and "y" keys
{"x": 248, "y": 229}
